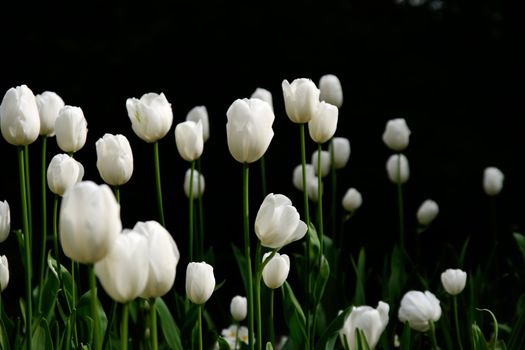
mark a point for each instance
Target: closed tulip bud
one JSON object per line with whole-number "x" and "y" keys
{"x": 123, "y": 273}
{"x": 397, "y": 168}
{"x": 151, "y": 116}
{"x": 298, "y": 175}
{"x": 62, "y": 173}
{"x": 341, "y": 146}
{"x": 198, "y": 179}
{"x": 325, "y": 162}
{"x": 331, "y": 90}
{"x": 352, "y": 200}
{"x": 89, "y": 222}
{"x": 301, "y": 99}
{"x": 276, "y": 271}
{"x": 200, "y": 113}
{"x": 19, "y": 119}
{"x": 238, "y": 308}
{"x": 249, "y": 129}
{"x": 5, "y": 221}
{"x": 427, "y": 212}
{"x": 188, "y": 137}
{"x": 114, "y": 159}
{"x": 263, "y": 94}
{"x": 396, "y": 134}
{"x": 323, "y": 124}
{"x": 493, "y": 181}
{"x": 200, "y": 282}
{"x": 278, "y": 223}
{"x": 454, "y": 281}
{"x": 4, "y": 273}
{"x": 372, "y": 322}
{"x": 49, "y": 104}
{"x": 419, "y": 309}
{"x": 71, "y": 129}
{"x": 163, "y": 258}
{"x": 313, "y": 189}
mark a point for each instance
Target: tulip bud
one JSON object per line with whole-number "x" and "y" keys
{"x": 249, "y": 129}
{"x": 454, "y": 281}
{"x": 325, "y": 162}
{"x": 263, "y": 94}
{"x": 419, "y": 309}
{"x": 396, "y": 134}
{"x": 323, "y": 124}
{"x": 238, "y": 308}
{"x": 5, "y": 221}
{"x": 427, "y": 212}
{"x": 197, "y": 179}
{"x": 200, "y": 282}
{"x": 331, "y": 90}
{"x": 19, "y": 119}
{"x": 62, "y": 173}
{"x": 276, "y": 270}
{"x": 123, "y": 273}
{"x": 151, "y": 116}
{"x": 89, "y": 222}
{"x": 114, "y": 159}
{"x": 397, "y": 168}
{"x": 298, "y": 175}
{"x": 493, "y": 181}
{"x": 352, "y": 200}
{"x": 71, "y": 129}
{"x": 188, "y": 137}
{"x": 372, "y": 322}
{"x": 301, "y": 99}
{"x": 4, "y": 273}
{"x": 200, "y": 113}
{"x": 341, "y": 146}
{"x": 49, "y": 104}
{"x": 277, "y": 223}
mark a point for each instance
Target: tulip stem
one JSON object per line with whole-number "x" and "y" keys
{"x": 124, "y": 327}
{"x": 157, "y": 182}
{"x": 200, "y": 244}
{"x": 400, "y": 204}
{"x": 111, "y": 318}
{"x": 28, "y": 195}
{"x": 44, "y": 222}
{"x": 190, "y": 213}
{"x": 320, "y": 203}
{"x": 258, "y": 268}
{"x": 249, "y": 272}
{"x": 153, "y": 314}
{"x": 433, "y": 335}
{"x": 272, "y": 331}
{"x": 116, "y": 190}
{"x": 262, "y": 162}
{"x": 333, "y": 175}
{"x": 200, "y": 326}
{"x": 236, "y": 335}
{"x": 456, "y": 319}
{"x": 94, "y": 311}
{"x": 55, "y": 240}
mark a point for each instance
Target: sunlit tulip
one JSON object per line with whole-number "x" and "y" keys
{"x": 323, "y": 124}
{"x": 188, "y": 137}
{"x": 163, "y": 258}
{"x": 63, "y": 172}
{"x": 301, "y": 99}
{"x": 249, "y": 129}
{"x": 200, "y": 113}
{"x": 71, "y": 129}
{"x": 276, "y": 271}
{"x": 492, "y": 181}
{"x": 238, "y": 308}
{"x": 372, "y": 322}
{"x": 419, "y": 309}
{"x": 49, "y": 104}
{"x": 427, "y": 212}
{"x": 19, "y": 119}
{"x": 352, "y": 200}
{"x": 4, "y": 273}
{"x": 89, "y": 222}
{"x": 123, "y": 273}
{"x": 5, "y": 221}
{"x": 151, "y": 116}
{"x": 395, "y": 162}
{"x": 298, "y": 175}
{"x": 331, "y": 90}
{"x": 396, "y": 134}
{"x": 200, "y": 282}
{"x": 197, "y": 179}
{"x": 454, "y": 281}
{"x": 325, "y": 162}
{"x": 278, "y": 223}
{"x": 341, "y": 147}
{"x": 114, "y": 159}
{"x": 263, "y": 94}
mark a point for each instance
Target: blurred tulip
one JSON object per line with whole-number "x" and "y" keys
{"x": 263, "y": 94}
{"x": 396, "y": 134}
{"x": 49, "y": 104}
{"x": 331, "y": 90}
{"x": 454, "y": 281}
{"x": 19, "y": 118}
{"x": 427, "y": 212}
{"x": 325, "y": 162}
{"x": 62, "y": 173}
{"x": 238, "y": 308}
{"x": 234, "y": 336}
{"x": 4, "y": 273}
{"x": 395, "y": 162}
{"x": 313, "y": 188}
{"x": 5, "y": 221}
{"x": 352, "y": 200}
{"x": 276, "y": 271}
{"x": 323, "y": 124}
{"x": 188, "y": 137}
{"x": 341, "y": 147}
{"x": 419, "y": 309}
{"x": 114, "y": 159}
{"x": 369, "y": 320}
{"x": 151, "y": 116}
{"x": 200, "y": 113}
{"x": 493, "y": 181}
{"x": 196, "y": 177}
{"x": 200, "y": 282}
{"x": 297, "y": 178}
{"x": 301, "y": 99}
{"x": 71, "y": 129}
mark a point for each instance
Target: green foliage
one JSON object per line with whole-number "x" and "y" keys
{"x": 169, "y": 328}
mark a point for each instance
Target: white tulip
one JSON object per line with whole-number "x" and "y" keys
{"x": 238, "y": 308}
{"x": 492, "y": 181}
{"x": 372, "y": 322}
{"x": 63, "y": 172}
{"x": 197, "y": 179}
{"x": 323, "y": 124}
{"x": 5, "y": 221}
{"x": 49, "y": 104}
{"x": 151, "y": 116}
{"x": 396, "y": 134}
{"x": 427, "y": 212}
{"x": 341, "y": 146}
{"x": 325, "y": 162}
{"x": 263, "y": 94}
{"x": 454, "y": 281}
{"x": 313, "y": 188}
{"x": 419, "y": 309}
{"x": 4, "y": 273}
{"x": 71, "y": 129}
{"x": 352, "y": 200}
{"x": 331, "y": 90}
{"x": 19, "y": 118}
{"x": 234, "y": 335}
{"x": 393, "y": 164}
{"x": 298, "y": 175}
{"x": 114, "y": 159}
{"x": 301, "y": 99}
{"x": 276, "y": 271}
{"x": 200, "y": 282}
{"x": 188, "y": 137}
{"x": 200, "y": 113}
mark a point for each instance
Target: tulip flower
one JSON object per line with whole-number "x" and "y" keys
{"x": 5, "y": 221}
{"x": 492, "y": 181}
{"x": 114, "y": 159}
{"x": 297, "y": 178}
{"x": 277, "y": 222}
{"x": 123, "y": 272}
{"x": 275, "y": 272}
{"x": 393, "y": 164}
{"x": 331, "y": 90}
{"x": 151, "y": 116}
{"x": 313, "y": 188}
{"x": 49, "y": 105}
{"x": 4, "y": 273}
{"x": 62, "y": 173}
{"x": 263, "y": 94}
{"x": 249, "y": 129}
{"x": 19, "y": 118}
{"x": 197, "y": 178}
{"x": 188, "y": 137}
{"x": 419, "y": 309}
{"x": 200, "y": 113}
{"x": 323, "y": 124}
{"x": 396, "y": 134}
{"x": 200, "y": 282}
{"x": 325, "y": 162}
{"x": 341, "y": 147}
{"x": 301, "y": 99}
{"x": 71, "y": 129}
{"x": 372, "y": 322}
{"x": 89, "y": 222}
{"x": 238, "y": 308}
{"x": 427, "y": 212}
{"x": 234, "y": 335}
{"x": 454, "y": 281}
{"x": 352, "y": 200}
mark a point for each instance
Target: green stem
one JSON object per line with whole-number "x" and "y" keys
{"x": 456, "y": 319}
{"x": 258, "y": 268}
{"x": 44, "y": 221}
{"x": 111, "y": 318}
{"x": 247, "y": 253}
{"x": 236, "y": 335}
{"x": 190, "y": 213}
{"x": 262, "y": 162}
{"x": 333, "y": 175}
{"x": 270, "y": 324}
{"x": 400, "y": 204}
{"x": 157, "y": 182}
{"x": 320, "y": 202}
{"x": 200, "y": 326}
{"x": 153, "y": 314}
{"x": 28, "y": 194}
{"x": 55, "y": 240}
{"x": 94, "y": 313}
{"x": 116, "y": 190}
{"x": 200, "y": 246}
{"x": 433, "y": 335}
{"x": 124, "y": 327}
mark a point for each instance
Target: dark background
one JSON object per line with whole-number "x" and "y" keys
{"x": 452, "y": 69}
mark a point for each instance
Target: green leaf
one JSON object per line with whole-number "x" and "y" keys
{"x": 4, "y": 339}
{"x": 398, "y": 275}
{"x": 520, "y": 240}
{"x": 41, "y": 339}
{"x": 359, "y": 295}
{"x": 405, "y": 341}
{"x": 67, "y": 280}
{"x": 461, "y": 260}
{"x": 320, "y": 281}
{"x": 478, "y": 340}
{"x": 168, "y": 326}
{"x": 315, "y": 245}
{"x": 49, "y": 296}
{"x": 84, "y": 313}
{"x": 269, "y": 346}
{"x": 223, "y": 344}
{"x": 295, "y": 319}
{"x": 241, "y": 262}
{"x": 496, "y": 328}
{"x": 517, "y": 335}
{"x": 332, "y": 331}
{"x": 360, "y": 339}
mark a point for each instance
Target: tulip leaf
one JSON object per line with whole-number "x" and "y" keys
{"x": 49, "y": 295}
{"x": 269, "y": 346}
{"x": 223, "y": 344}
{"x": 168, "y": 326}
{"x": 359, "y": 295}
{"x": 85, "y": 314}
{"x": 360, "y": 340}
{"x": 520, "y": 240}
{"x": 332, "y": 331}
{"x": 398, "y": 275}
{"x": 67, "y": 280}
{"x": 320, "y": 282}
{"x": 4, "y": 339}
{"x": 41, "y": 338}
{"x": 516, "y": 338}
{"x": 241, "y": 262}
{"x": 295, "y": 319}
{"x": 478, "y": 340}
{"x": 315, "y": 244}
{"x": 496, "y": 328}
{"x": 405, "y": 341}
